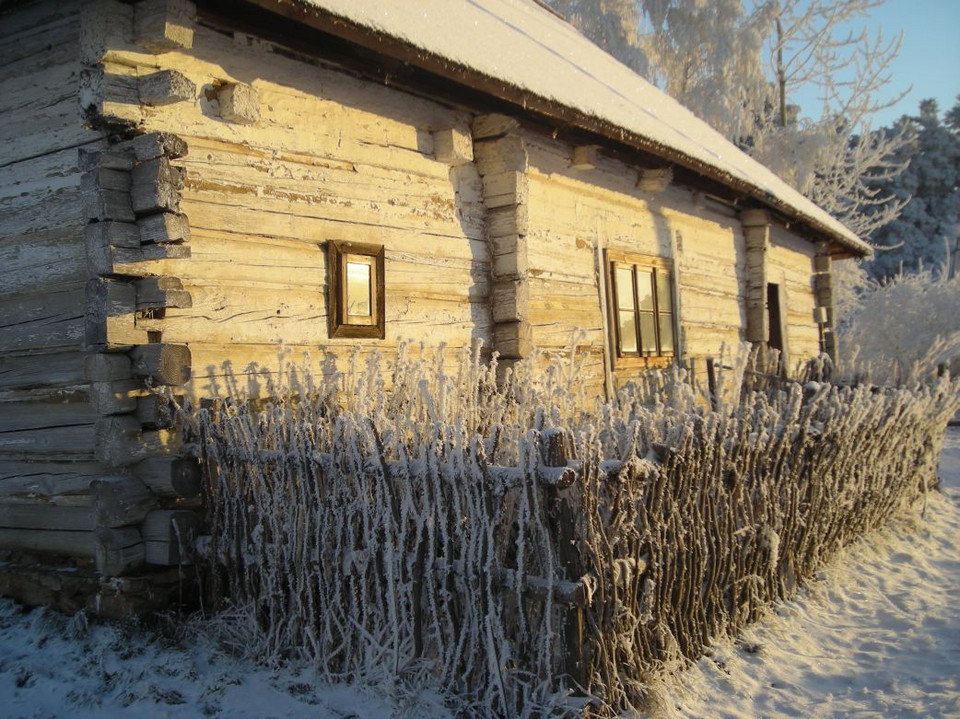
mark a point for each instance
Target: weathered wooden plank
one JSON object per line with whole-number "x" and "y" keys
{"x": 43, "y": 321}
{"x": 43, "y": 210}
{"x": 23, "y": 415}
{"x": 143, "y": 261}
{"x": 65, "y": 441}
{"x": 70, "y": 543}
{"x": 25, "y": 514}
{"x": 41, "y": 259}
{"x": 47, "y": 479}
{"x": 43, "y": 370}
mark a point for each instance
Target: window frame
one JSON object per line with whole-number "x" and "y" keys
{"x": 343, "y": 325}
{"x": 657, "y": 267}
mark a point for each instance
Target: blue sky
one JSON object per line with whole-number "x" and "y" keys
{"x": 929, "y": 58}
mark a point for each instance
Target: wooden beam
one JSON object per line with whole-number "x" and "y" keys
{"x": 162, "y": 363}
{"x": 68, "y": 543}
{"x": 156, "y": 187}
{"x": 239, "y": 103}
{"x": 164, "y": 227}
{"x": 119, "y": 397}
{"x": 584, "y": 157}
{"x": 153, "y": 145}
{"x": 513, "y": 340}
{"x": 107, "y": 367}
{"x": 178, "y": 477}
{"x": 654, "y": 180}
{"x": 120, "y": 501}
{"x": 19, "y": 514}
{"x": 164, "y": 25}
{"x": 453, "y": 146}
{"x": 159, "y": 292}
{"x": 118, "y": 551}
{"x": 485, "y": 127}
{"x": 110, "y": 317}
{"x": 165, "y": 88}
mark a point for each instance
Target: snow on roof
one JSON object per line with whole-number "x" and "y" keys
{"x": 520, "y": 44}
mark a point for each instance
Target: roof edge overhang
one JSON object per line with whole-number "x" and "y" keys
{"x": 843, "y": 243}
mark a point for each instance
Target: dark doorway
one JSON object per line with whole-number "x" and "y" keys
{"x": 774, "y": 318}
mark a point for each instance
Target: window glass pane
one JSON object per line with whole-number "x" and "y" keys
{"x": 359, "y": 284}
{"x": 645, "y": 289}
{"x": 664, "y": 294}
{"x": 648, "y": 333}
{"x": 628, "y": 332}
{"x": 666, "y": 334}
{"x": 624, "y": 288}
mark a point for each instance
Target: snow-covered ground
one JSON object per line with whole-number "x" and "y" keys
{"x": 877, "y": 635}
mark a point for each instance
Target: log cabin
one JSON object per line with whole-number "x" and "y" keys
{"x": 187, "y": 186}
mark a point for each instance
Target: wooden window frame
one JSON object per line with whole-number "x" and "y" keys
{"x": 343, "y": 325}
{"x": 658, "y": 267}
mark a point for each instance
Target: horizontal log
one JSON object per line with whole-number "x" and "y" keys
{"x": 67, "y": 543}
{"x": 164, "y": 227}
{"x": 42, "y": 259}
{"x": 21, "y": 514}
{"x": 156, "y": 187}
{"x": 110, "y": 316}
{"x": 453, "y": 146}
{"x": 45, "y": 321}
{"x": 120, "y": 501}
{"x": 166, "y": 87}
{"x": 171, "y": 476}
{"x": 103, "y": 24}
{"x": 152, "y": 145}
{"x": 162, "y": 363}
{"x": 95, "y": 159}
{"x": 157, "y": 411}
{"x": 511, "y": 300}
{"x": 169, "y": 536}
{"x": 506, "y": 154}
{"x": 491, "y": 126}
{"x": 41, "y": 370}
{"x": 107, "y": 367}
{"x": 105, "y": 260}
{"x": 159, "y": 292}
{"x": 239, "y": 103}
{"x": 119, "y": 397}
{"x": 121, "y": 441}
{"x": 118, "y": 551}
{"x": 164, "y": 25}
{"x": 513, "y": 340}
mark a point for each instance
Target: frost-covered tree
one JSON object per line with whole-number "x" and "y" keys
{"x": 740, "y": 65}
{"x": 930, "y": 221}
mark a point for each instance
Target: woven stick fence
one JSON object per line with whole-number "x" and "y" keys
{"x": 517, "y": 548}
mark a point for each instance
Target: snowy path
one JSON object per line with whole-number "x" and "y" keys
{"x": 878, "y": 635}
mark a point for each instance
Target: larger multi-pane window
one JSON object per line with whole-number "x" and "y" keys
{"x": 642, "y": 306}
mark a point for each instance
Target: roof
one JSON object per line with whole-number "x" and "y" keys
{"x": 520, "y": 51}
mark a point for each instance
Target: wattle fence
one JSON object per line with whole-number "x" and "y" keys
{"x": 519, "y": 549}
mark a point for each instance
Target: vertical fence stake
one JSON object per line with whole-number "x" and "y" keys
{"x": 712, "y": 384}
{"x": 557, "y": 449}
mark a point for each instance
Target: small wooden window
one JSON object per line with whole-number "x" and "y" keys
{"x": 642, "y": 301}
{"x": 356, "y": 290}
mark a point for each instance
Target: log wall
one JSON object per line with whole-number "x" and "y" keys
{"x": 47, "y": 420}
{"x": 284, "y": 155}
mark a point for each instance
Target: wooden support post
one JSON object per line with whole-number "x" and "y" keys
{"x": 756, "y": 231}
{"x": 120, "y": 501}
{"x": 557, "y": 449}
{"x": 712, "y": 385}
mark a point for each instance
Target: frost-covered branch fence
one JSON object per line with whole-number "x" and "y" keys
{"x": 507, "y": 543}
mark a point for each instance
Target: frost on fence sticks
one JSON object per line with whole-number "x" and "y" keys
{"x": 407, "y": 534}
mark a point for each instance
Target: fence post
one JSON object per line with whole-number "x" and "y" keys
{"x": 557, "y": 449}
{"x": 712, "y": 384}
